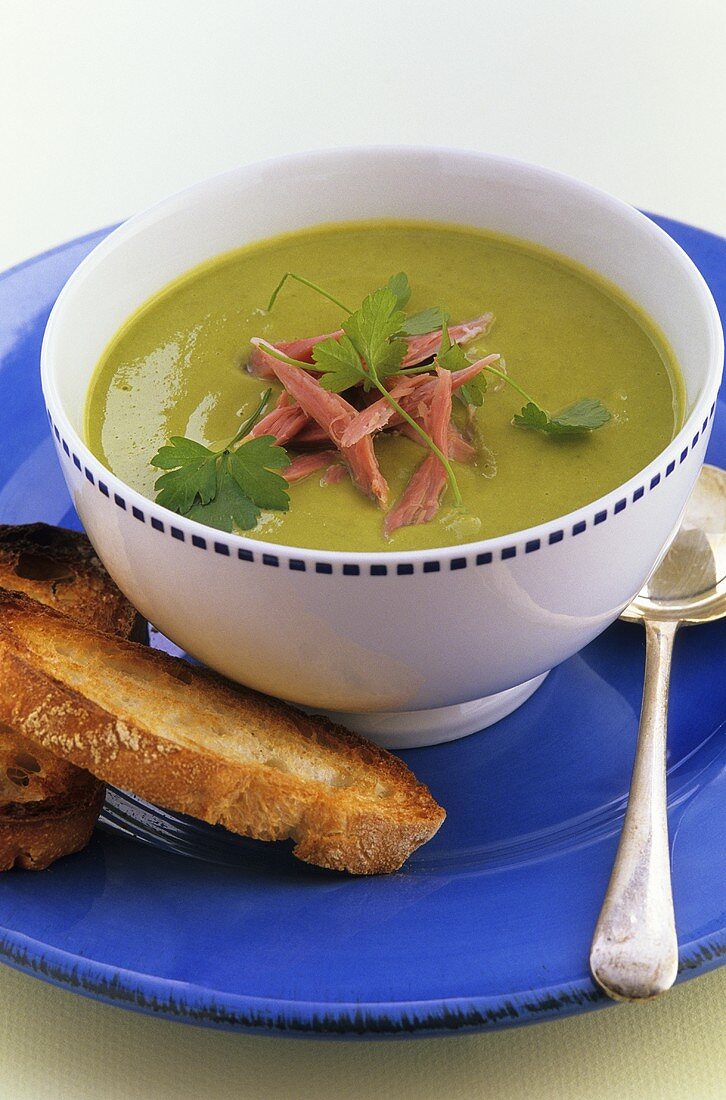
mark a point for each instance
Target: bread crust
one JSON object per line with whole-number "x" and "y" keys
{"x": 366, "y": 823}
{"x": 48, "y": 806}
{"x": 59, "y": 568}
{"x": 56, "y": 827}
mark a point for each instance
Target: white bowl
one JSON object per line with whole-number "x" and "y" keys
{"x": 409, "y": 648}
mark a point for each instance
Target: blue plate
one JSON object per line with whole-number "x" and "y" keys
{"x": 487, "y": 926}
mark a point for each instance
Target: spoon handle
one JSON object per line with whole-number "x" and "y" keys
{"x": 634, "y": 952}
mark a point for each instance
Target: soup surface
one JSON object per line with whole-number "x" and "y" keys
{"x": 177, "y": 369}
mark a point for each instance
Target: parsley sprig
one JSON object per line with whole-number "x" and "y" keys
{"x": 371, "y": 350}
{"x": 228, "y": 487}
{"x": 585, "y": 415}
{"x": 373, "y": 334}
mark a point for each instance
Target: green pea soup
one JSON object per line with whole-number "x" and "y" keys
{"x": 177, "y": 368}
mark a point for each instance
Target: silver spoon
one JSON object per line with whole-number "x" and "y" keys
{"x": 634, "y": 951}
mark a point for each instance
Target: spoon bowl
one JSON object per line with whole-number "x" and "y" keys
{"x": 689, "y": 584}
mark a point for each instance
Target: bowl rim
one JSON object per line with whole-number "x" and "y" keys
{"x": 574, "y": 522}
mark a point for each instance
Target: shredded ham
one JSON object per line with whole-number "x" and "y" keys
{"x": 311, "y": 434}
{"x": 303, "y": 465}
{"x": 416, "y": 404}
{"x": 420, "y": 388}
{"x": 333, "y": 413}
{"x": 420, "y": 348}
{"x": 314, "y": 417}
{"x": 334, "y": 474}
{"x": 419, "y": 502}
{"x": 283, "y": 423}
{"x": 302, "y": 350}
{"x": 459, "y": 448}
{"x": 378, "y": 415}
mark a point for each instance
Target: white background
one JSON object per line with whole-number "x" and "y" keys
{"x": 108, "y": 105}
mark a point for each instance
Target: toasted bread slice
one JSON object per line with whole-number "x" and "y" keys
{"x": 60, "y": 568}
{"x": 48, "y": 807}
{"x": 186, "y": 739}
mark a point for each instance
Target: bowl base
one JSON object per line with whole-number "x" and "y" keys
{"x": 413, "y": 729}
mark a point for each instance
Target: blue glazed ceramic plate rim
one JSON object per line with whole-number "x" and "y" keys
{"x": 193, "y": 1003}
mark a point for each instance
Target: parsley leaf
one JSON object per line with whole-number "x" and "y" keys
{"x": 368, "y": 350}
{"x": 427, "y": 320}
{"x": 230, "y": 507}
{"x": 399, "y": 285}
{"x": 223, "y": 488}
{"x": 472, "y": 393}
{"x": 192, "y": 473}
{"x": 532, "y": 416}
{"x": 372, "y": 330}
{"x": 251, "y": 466}
{"x": 452, "y": 357}
{"x": 340, "y": 363}
{"x": 583, "y": 416}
